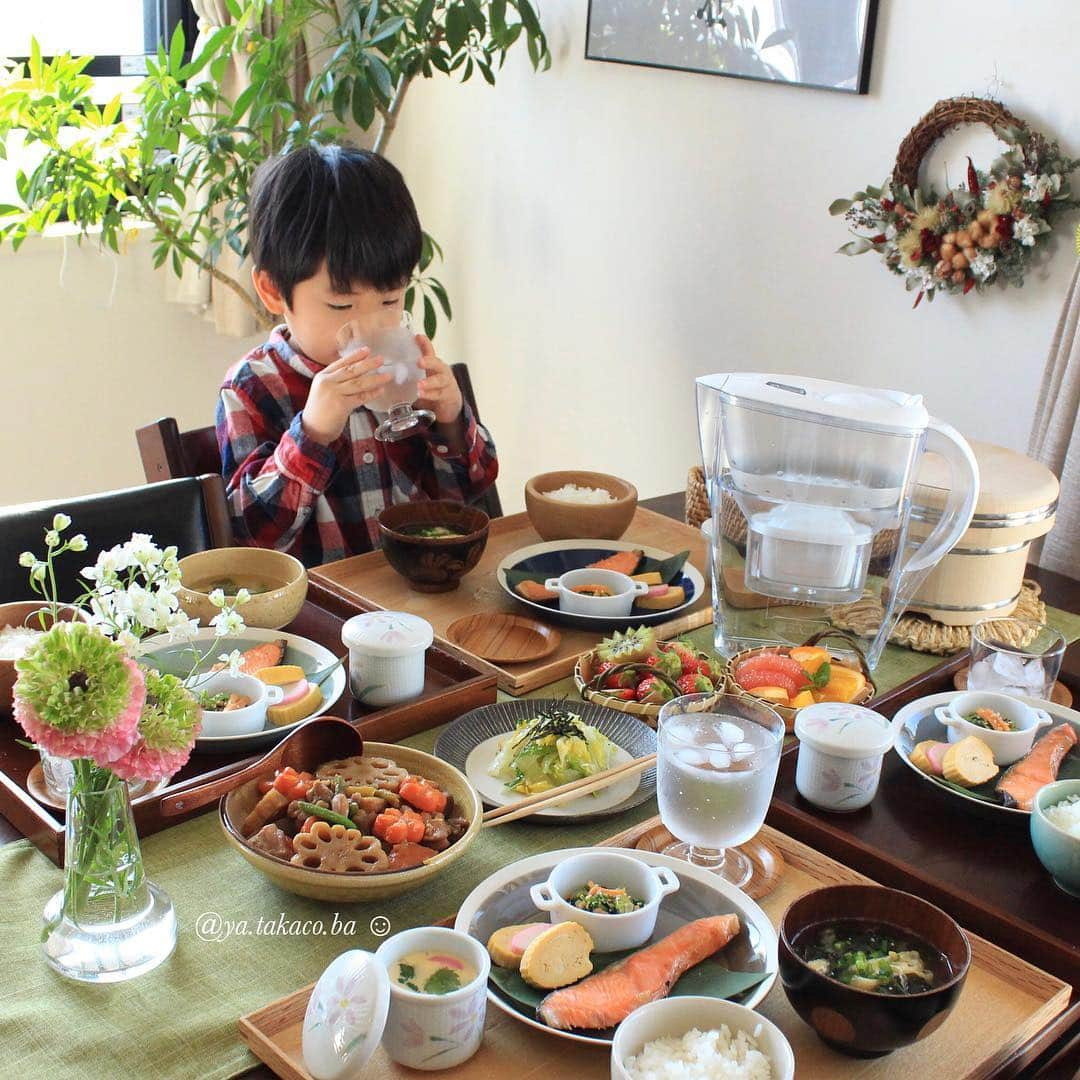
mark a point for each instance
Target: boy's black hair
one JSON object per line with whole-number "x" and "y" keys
{"x": 339, "y": 203}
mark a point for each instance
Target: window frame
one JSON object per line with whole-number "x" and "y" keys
{"x": 160, "y": 19}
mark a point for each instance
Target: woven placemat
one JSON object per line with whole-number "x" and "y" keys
{"x": 923, "y": 634}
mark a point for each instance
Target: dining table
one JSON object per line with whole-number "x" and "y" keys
{"x": 902, "y": 840}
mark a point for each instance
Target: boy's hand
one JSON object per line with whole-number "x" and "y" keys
{"x": 438, "y": 390}
{"x": 337, "y": 390}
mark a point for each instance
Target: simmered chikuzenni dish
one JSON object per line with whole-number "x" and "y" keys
{"x": 872, "y": 956}
{"x": 359, "y": 815}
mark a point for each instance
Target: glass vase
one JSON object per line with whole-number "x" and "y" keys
{"x": 108, "y": 923}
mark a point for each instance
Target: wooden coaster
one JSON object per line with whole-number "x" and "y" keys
{"x": 767, "y": 861}
{"x": 503, "y": 638}
{"x": 35, "y": 784}
{"x": 1060, "y": 695}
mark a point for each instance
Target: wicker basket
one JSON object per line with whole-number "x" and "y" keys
{"x": 783, "y": 650}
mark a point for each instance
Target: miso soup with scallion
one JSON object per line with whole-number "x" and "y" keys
{"x": 872, "y": 956}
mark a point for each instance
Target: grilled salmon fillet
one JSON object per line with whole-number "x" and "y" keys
{"x": 610, "y": 996}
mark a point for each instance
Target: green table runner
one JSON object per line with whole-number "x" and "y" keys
{"x": 180, "y": 1020}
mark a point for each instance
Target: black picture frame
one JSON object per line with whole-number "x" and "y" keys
{"x": 714, "y": 9}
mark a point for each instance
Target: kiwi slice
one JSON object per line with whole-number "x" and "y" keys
{"x": 625, "y": 648}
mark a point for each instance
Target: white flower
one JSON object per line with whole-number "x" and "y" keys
{"x": 52, "y": 538}
{"x": 108, "y": 566}
{"x": 227, "y": 622}
{"x": 38, "y": 571}
{"x": 142, "y": 551}
{"x": 60, "y": 522}
{"x": 1042, "y": 185}
{"x": 983, "y": 266}
{"x": 890, "y": 232}
{"x": 242, "y": 596}
{"x": 78, "y": 542}
{"x": 128, "y": 641}
{"x": 27, "y": 559}
{"x": 1025, "y": 230}
{"x": 217, "y": 598}
{"x": 233, "y": 660}
{"x": 180, "y": 627}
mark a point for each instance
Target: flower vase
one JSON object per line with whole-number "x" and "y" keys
{"x": 108, "y": 923}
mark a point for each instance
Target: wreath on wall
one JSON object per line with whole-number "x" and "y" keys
{"x": 975, "y": 235}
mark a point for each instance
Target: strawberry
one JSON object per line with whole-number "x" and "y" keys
{"x": 693, "y": 683}
{"x": 623, "y": 680}
{"x": 653, "y": 691}
{"x": 684, "y": 652}
{"x": 624, "y": 695}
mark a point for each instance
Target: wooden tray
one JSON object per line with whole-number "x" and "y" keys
{"x": 452, "y": 686}
{"x": 1005, "y": 1003}
{"x": 916, "y": 838}
{"x": 368, "y": 582}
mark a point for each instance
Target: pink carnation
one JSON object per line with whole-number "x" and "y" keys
{"x": 104, "y": 745}
{"x": 142, "y": 762}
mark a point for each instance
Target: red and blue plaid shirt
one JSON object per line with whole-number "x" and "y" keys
{"x": 317, "y": 502}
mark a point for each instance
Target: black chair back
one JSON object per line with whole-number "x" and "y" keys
{"x": 190, "y": 512}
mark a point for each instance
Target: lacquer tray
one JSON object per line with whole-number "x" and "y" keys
{"x": 369, "y": 582}
{"x": 1005, "y": 1004}
{"x": 452, "y": 686}
{"x": 915, "y": 837}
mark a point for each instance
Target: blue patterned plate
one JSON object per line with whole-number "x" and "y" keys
{"x": 541, "y": 561}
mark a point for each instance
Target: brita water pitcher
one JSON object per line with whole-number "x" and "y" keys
{"x": 809, "y": 483}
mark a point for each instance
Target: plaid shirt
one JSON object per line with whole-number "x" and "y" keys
{"x": 317, "y": 502}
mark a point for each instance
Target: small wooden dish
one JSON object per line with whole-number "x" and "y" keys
{"x": 503, "y": 638}
{"x": 766, "y": 859}
{"x": 35, "y": 784}
{"x": 1060, "y": 695}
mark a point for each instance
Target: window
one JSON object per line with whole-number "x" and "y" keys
{"x": 117, "y": 33}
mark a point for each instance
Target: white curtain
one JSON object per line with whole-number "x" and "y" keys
{"x": 1055, "y": 439}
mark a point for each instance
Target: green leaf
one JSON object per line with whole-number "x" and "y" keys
{"x": 443, "y": 981}
{"x": 840, "y": 206}
{"x": 529, "y": 19}
{"x": 457, "y": 28}
{"x": 363, "y": 104}
{"x": 855, "y": 247}
{"x": 777, "y": 37}
{"x": 430, "y": 318}
{"x": 383, "y": 79}
{"x": 755, "y": 23}
{"x": 387, "y": 29}
{"x": 820, "y": 678}
{"x": 176, "y": 51}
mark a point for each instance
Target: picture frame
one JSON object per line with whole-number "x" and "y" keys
{"x": 818, "y": 44}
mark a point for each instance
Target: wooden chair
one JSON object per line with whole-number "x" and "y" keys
{"x": 167, "y": 452}
{"x": 190, "y": 512}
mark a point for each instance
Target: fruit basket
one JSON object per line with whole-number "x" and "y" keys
{"x": 636, "y": 673}
{"x": 828, "y": 676}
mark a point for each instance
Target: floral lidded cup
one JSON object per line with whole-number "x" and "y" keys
{"x": 435, "y": 1031}
{"x": 841, "y": 747}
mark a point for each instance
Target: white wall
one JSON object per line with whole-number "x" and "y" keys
{"x": 81, "y": 373}
{"x": 611, "y": 232}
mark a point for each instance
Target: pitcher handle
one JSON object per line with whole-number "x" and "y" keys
{"x": 945, "y": 440}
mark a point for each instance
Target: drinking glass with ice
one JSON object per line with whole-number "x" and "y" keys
{"x": 999, "y": 663}
{"x": 717, "y": 758}
{"x": 400, "y": 358}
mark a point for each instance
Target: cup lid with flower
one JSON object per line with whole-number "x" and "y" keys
{"x": 844, "y": 730}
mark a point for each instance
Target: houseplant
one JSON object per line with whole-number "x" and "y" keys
{"x": 184, "y": 164}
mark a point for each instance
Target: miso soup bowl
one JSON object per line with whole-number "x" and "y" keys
{"x": 863, "y": 1023}
{"x": 271, "y": 608}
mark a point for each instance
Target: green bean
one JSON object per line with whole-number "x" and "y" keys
{"x": 326, "y": 815}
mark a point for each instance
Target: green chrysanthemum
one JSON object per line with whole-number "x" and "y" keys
{"x": 78, "y": 694}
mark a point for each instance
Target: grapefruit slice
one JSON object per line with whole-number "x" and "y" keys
{"x": 753, "y": 680}
{"x": 772, "y": 663}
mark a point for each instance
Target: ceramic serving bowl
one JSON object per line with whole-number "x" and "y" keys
{"x": 1057, "y": 850}
{"x": 217, "y": 723}
{"x": 435, "y": 1031}
{"x": 354, "y": 887}
{"x": 862, "y": 1023}
{"x": 672, "y": 1018}
{"x": 23, "y": 613}
{"x": 622, "y": 589}
{"x": 1006, "y": 746}
{"x": 610, "y": 933}
{"x": 277, "y": 582}
{"x": 556, "y": 519}
{"x": 433, "y": 564}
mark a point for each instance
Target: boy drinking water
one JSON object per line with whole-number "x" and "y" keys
{"x": 335, "y": 238}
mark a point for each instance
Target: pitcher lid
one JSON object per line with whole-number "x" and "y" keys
{"x": 845, "y": 404}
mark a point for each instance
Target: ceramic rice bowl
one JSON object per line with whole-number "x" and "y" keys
{"x": 555, "y": 519}
{"x": 355, "y": 887}
{"x": 269, "y": 610}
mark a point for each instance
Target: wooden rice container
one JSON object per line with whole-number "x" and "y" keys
{"x": 983, "y": 573}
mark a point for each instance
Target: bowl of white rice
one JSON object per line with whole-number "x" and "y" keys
{"x": 576, "y": 505}
{"x": 699, "y": 1038}
{"x": 1055, "y": 833}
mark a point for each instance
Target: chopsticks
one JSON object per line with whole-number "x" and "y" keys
{"x": 585, "y": 786}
